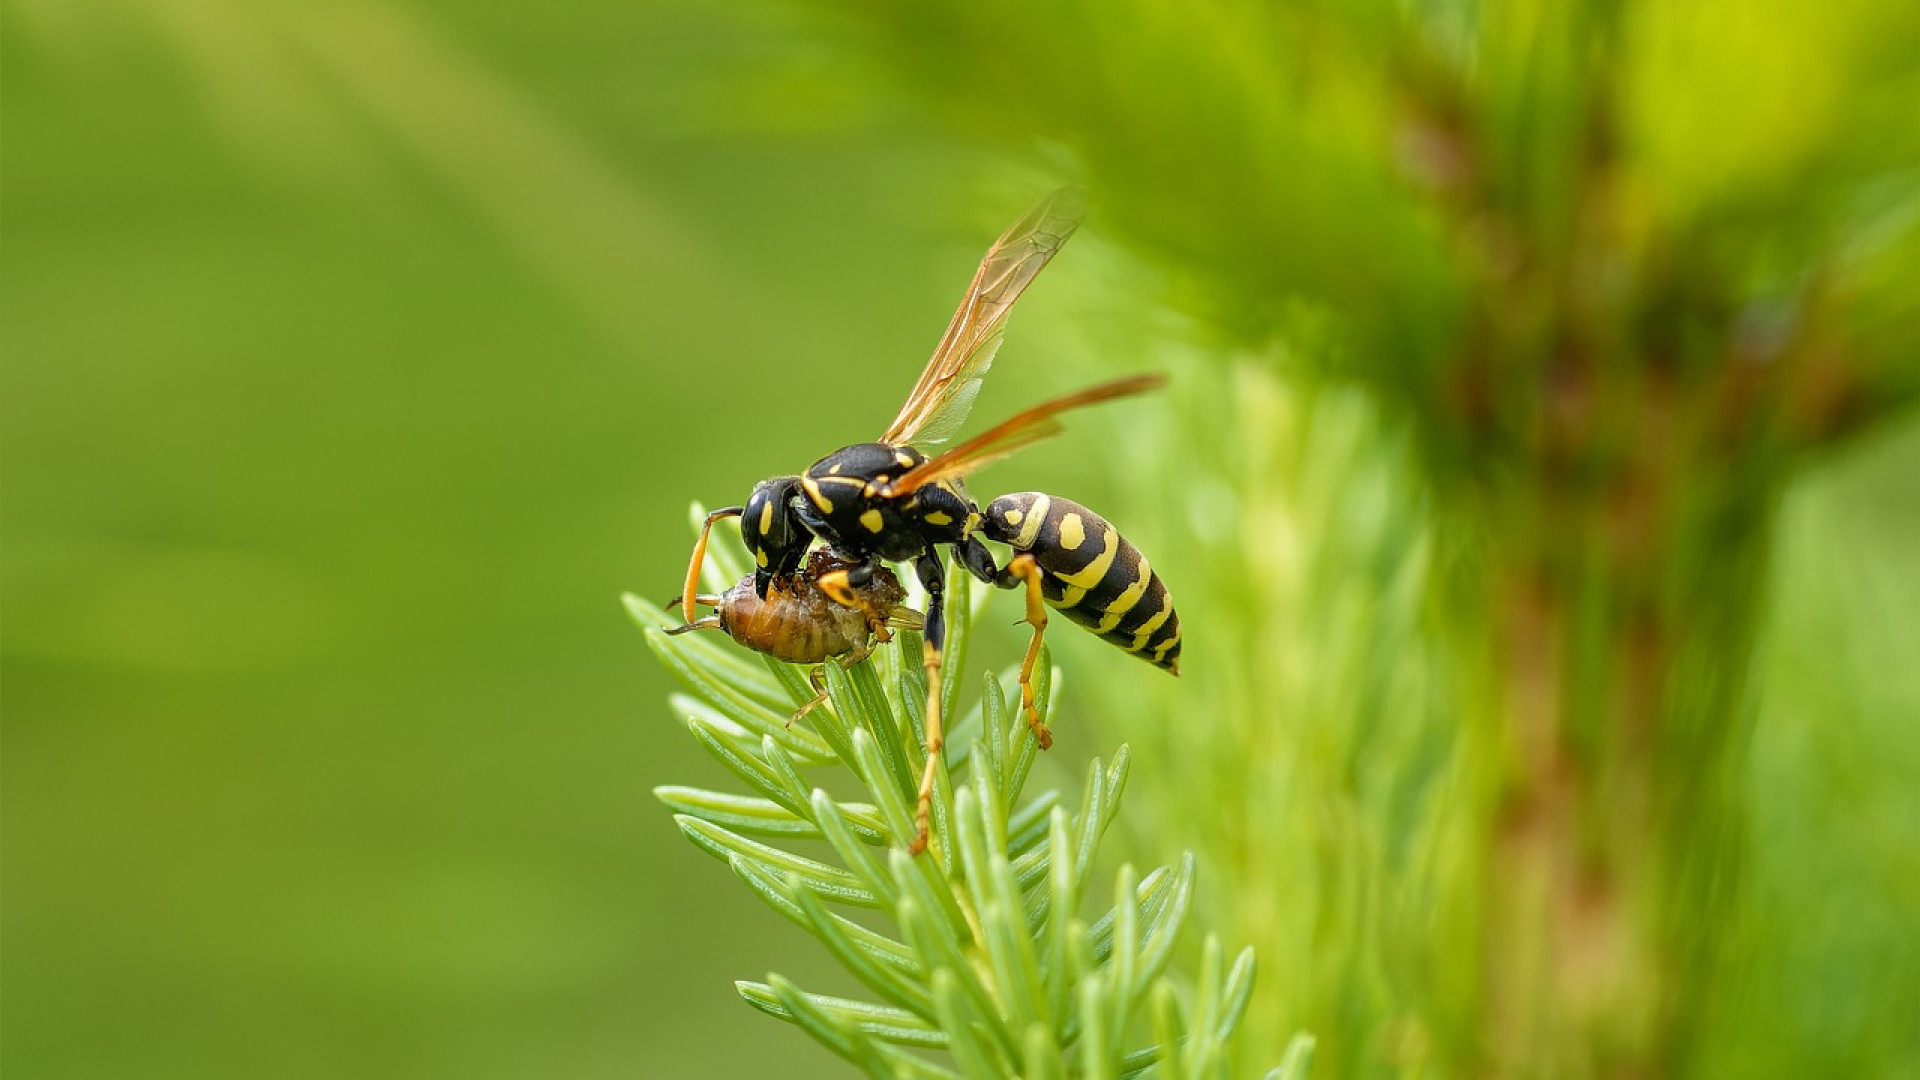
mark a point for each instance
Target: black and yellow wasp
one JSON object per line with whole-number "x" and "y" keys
{"x": 879, "y": 502}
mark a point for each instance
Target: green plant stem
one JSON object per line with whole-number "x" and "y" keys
{"x": 1617, "y": 635}
{"x": 1602, "y": 856}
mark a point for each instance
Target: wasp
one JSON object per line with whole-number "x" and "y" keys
{"x": 886, "y": 501}
{"x": 812, "y": 617}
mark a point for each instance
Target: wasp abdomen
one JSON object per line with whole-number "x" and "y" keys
{"x": 1090, "y": 573}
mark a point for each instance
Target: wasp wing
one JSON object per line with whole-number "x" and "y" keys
{"x": 1015, "y": 433}
{"x": 939, "y": 402}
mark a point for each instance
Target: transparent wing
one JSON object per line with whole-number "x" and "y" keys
{"x": 1015, "y": 433}
{"x": 940, "y": 400}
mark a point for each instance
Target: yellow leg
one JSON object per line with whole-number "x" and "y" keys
{"x": 699, "y": 556}
{"x": 936, "y": 740}
{"x": 817, "y": 677}
{"x": 1026, "y": 569}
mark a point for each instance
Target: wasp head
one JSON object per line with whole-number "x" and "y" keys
{"x": 776, "y": 542}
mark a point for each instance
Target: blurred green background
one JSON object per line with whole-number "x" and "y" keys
{"x": 357, "y": 358}
{"x": 358, "y": 355}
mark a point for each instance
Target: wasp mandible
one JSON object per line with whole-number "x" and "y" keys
{"x": 885, "y": 501}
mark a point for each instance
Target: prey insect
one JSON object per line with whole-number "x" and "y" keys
{"x": 885, "y": 502}
{"x": 811, "y": 617}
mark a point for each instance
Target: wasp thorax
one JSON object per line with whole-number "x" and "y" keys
{"x": 847, "y": 501}
{"x": 864, "y": 462}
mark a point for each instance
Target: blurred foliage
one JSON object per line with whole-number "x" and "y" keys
{"x": 357, "y": 354}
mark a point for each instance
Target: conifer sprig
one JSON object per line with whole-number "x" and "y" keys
{"x": 982, "y": 947}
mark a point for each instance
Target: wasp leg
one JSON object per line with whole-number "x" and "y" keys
{"x": 699, "y": 556}
{"x": 1021, "y": 569}
{"x": 817, "y": 678}
{"x": 711, "y": 622}
{"x": 933, "y": 577}
{"x": 838, "y": 587}
{"x": 1026, "y": 569}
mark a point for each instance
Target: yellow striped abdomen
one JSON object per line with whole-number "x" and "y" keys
{"x": 1090, "y": 573}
